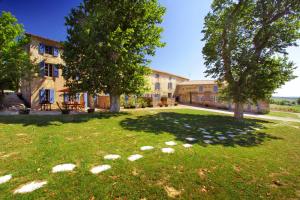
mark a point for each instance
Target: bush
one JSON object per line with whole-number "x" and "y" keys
{"x": 298, "y": 101}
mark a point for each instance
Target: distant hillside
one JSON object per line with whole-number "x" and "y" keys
{"x": 285, "y": 98}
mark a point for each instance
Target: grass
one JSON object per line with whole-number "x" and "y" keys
{"x": 262, "y": 164}
{"x": 285, "y": 114}
{"x": 275, "y": 107}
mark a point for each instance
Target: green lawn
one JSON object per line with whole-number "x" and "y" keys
{"x": 295, "y": 108}
{"x": 284, "y": 114}
{"x": 262, "y": 164}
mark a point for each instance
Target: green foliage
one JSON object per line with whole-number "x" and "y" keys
{"x": 109, "y": 43}
{"x": 14, "y": 60}
{"x": 298, "y": 101}
{"x": 246, "y": 45}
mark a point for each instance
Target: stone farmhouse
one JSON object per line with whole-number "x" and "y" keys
{"x": 47, "y": 88}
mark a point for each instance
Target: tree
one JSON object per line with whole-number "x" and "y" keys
{"x": 14, "y": 60}
{"x": 298, "y": 101}
{"x": 245, "y": 47}
{"x": 109, "y": 44}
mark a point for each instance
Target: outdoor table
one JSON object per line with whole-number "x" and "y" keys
{"x": 46, "y": 106}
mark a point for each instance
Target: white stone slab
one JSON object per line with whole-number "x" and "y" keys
{"x": 167, "y": 150}
{"x": 171, "y": 143}
{"x": 191, "y": 139}
{"x": 63, "y": 168}
{"x": 6, "y": 178}
{"x": 207, "y": 141}
{"x": 100, "y": 168}
{"x": 187, "y": 145}
{"x": 222, "y": 138}
{"x": 231, "y": 135}
{"x": 30, "y": 187}
{"x": 134, "y": 157}
{"x": 145, "y": 148}
{"x": 187, "y": 126}
{"x": 112, "y": 157}
{"x": 208, "y": 136}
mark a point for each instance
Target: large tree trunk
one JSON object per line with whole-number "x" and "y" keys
{"x": 239, "y": 111}
{"x": 91, "y": 102}
{"x": 114, "y": 103}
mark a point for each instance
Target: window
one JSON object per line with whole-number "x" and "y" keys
{"x": 169, "y": 95}
{"x": 46, "y": 96}
{"x": 170, "y": 78}
{"x": 170, "y": 86}
{"x": 157, "y": 86}
{"x": 49, "y": 70}
{"x": 215, "y": 88}
{"x": 49, "y": 50}
{"x": 201, "y": 88}
{"x": 156, "y": 75}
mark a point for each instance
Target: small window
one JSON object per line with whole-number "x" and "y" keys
{"x": 156, "y": 75}
{"x": 49, "y": 70}
{"x": 170, "y": 78}
{"x": 49, "y": 50}
{"x": 215, "y": 88}
{"x": 170, "y": 86}
{"x": 157, "y": 86}
{"x": 201, "y": 88}
{"x": 169, "y": 95}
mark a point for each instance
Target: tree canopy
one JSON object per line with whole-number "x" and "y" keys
{"x": 14, "y": 60}
{"x": 109, "y": 44}
{"x": 245, "y": 47}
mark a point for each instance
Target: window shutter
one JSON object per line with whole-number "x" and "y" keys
{"x": 77, "y": 97}
{"x": 55, "y": 71}
{"x": 51, "y": 98}
{"x": 42, "y": 95}
{"x": 41, "y": 48}
{"x": 42, "y": 69}
{"x": 66, "y": 97}
{"x": 55, "y": 52}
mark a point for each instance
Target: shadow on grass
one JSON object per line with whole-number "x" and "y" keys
{"x": 213, "y": 129}
{"x": 56, "y": 120}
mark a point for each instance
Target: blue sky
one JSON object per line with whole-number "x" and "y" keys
{"x": 183, "y": 24}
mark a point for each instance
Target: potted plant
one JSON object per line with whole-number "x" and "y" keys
{"x": 64, "y": 110}
{"x": 91, "y": 110}
{"x": 24, "y": 110}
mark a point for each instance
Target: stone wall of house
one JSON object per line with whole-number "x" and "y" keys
{"x": 207, "y": 96}
{"x": 30, "y": 88}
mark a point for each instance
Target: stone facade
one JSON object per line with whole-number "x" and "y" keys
{"x": 47, "y": 54}
{"x": 205, "y": 93}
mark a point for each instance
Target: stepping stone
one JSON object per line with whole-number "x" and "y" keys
{"x": 187, "y": 145}
{"x": 201, "y": 129}
{"x": 171, "y": 143}
{"x": 208, "y": 136}
{"x": 100, "y": 168}
{"x": 222, "y": 138}
{"x": 134, "y": 157}
{"x": 145, "y": 148}
{"x": 243, "y": 133}
{"x": 167, "y": 150}
{"x": 206, "y": 133}
{"x": 63, "y": 168}
{"x": 30, "y": 187}
{"x": 229, "y": 132}
{"x": 207, "y": 141}
{"x": 112, "y": 157}
{"x": 191, "y": 139}
{"x": 232, "y": 136}
{"x": 6, "y": 178}
{"x": 175, "y": 122}
{"x": 187, "y": 126}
